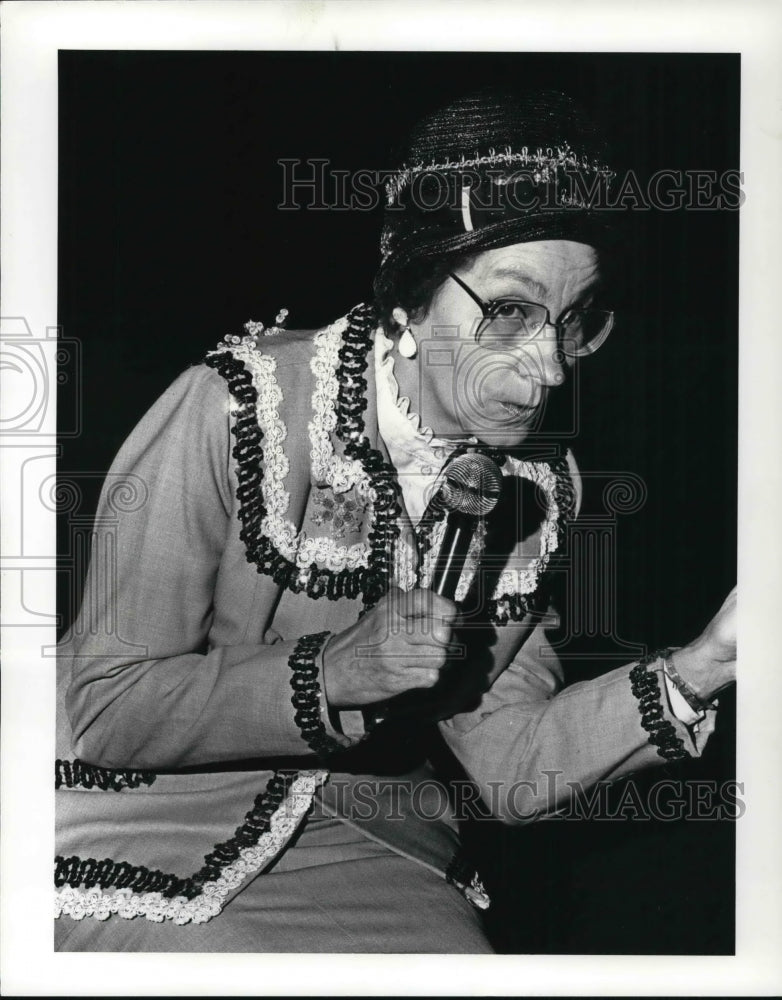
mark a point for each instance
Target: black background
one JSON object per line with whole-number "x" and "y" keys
{"x": 170, "y": 237}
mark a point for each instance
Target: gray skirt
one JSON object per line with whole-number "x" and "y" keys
{"x": 332, "y": 890}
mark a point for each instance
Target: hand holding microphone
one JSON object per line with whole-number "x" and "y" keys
{"x": 404, "y": 642}
{"x": 401, "y": 644}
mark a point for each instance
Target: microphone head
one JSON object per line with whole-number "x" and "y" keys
{"x": 472, "y": 486}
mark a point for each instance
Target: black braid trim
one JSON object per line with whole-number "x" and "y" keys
{"x": 646, "y": 687}
{"x": 371, "y": 581}
{"x": 306, "y": 695}
{"x": 521, "y": 605}
{"x": 77, "y": 774}
{"x": 351, "y": 402}
{"x": 76, "y": 871}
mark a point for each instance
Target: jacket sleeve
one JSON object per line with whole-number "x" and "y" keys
{"x": 533, "y": 745}
{"x": 145, "y": 686}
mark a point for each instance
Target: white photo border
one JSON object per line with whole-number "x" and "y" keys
{"x": 32, "y": 34}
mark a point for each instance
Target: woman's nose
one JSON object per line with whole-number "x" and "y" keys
{"x": 542, "y": 359}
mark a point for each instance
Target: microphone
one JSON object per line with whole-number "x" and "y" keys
{"x": 472, "y": 487}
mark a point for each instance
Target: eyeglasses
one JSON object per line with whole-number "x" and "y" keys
{"x": 510, "y": 322}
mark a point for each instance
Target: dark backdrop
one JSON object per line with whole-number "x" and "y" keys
{"x": 170, "y": 237}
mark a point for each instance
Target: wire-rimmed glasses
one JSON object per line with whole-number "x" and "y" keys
{"x": 511, "y": 322}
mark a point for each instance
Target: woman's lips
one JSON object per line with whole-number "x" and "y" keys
{"x": 518, "y": 411}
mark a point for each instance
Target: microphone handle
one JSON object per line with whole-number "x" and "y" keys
{"x": 459, "y": 529}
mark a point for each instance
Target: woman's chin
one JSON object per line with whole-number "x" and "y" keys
{"x": 497, "y": 436}
{"x": 508, "y": 427}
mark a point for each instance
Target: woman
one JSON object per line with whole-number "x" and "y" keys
{"x": 266, "y": 691}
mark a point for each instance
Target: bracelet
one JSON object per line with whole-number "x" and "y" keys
{"x": 306, "y": 694}
{"x": 693, "y": 699}
{"x": 646, "y": 688}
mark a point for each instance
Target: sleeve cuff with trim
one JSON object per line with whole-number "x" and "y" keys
{"x": 347, "y": 726}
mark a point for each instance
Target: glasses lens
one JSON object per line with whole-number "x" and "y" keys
{"x": 512, "y": 322}
{"x": 584, "y": 330}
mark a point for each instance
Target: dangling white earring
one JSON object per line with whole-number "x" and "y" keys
{"x": 407, "y": 345}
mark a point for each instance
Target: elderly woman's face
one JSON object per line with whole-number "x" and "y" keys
{"x": 497, "y": 393}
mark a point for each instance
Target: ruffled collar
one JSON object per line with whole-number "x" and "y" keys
{"x": 409, "y": 428}
{"x": 417, "y": 455}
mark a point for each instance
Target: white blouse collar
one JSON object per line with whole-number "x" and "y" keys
{"x": 417, "y": 455}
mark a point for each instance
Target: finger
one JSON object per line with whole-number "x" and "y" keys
{"x": 419, "y": 631}
{"x": 417, "y": 658}
{"x": 424, "y": 603}
{"x": 414, "y": 603}
{"x": 393, "y": 598}
{"x": 455, "y": 651}
{"x": 436, "y": 633}
{"x": 728, "y": 606}
{"x": 418, "y": 678}
{"x": 446, "y": 609}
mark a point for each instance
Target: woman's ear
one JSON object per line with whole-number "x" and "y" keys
{"x": 399, "y": 316}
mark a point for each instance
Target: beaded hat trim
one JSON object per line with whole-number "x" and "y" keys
{"x": 542, "y": 160}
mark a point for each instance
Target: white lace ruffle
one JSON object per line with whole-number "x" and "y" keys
{"x": 101, "y": 904}
{"x": 384, "y": 365}
{"x": 525, "y": 581}
{"x": 341, "y": 474}
{"x": 297, "y": 546}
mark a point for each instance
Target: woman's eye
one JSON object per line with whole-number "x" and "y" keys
{"x": 510, "y": 310}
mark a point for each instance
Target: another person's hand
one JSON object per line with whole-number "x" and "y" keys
{"x": 709, "y": 663}
{"x": 401, "y": 644}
